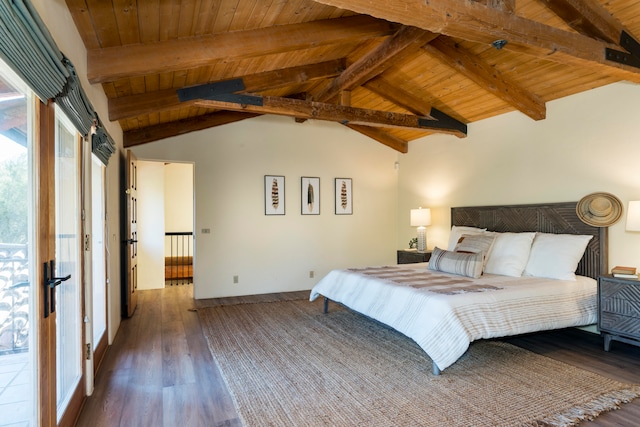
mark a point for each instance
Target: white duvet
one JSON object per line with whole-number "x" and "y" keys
{"x": 444, "y": 325}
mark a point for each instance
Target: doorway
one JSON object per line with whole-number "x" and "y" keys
{"x": 166, "y": 224}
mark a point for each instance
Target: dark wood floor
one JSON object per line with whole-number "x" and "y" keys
{"x": 159, "y": 371}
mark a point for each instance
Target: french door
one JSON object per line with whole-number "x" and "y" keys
{"x": 67, "y": 266}
{"x": 41, "y": 311}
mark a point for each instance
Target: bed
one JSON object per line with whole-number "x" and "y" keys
{"x": 443, "y": 312}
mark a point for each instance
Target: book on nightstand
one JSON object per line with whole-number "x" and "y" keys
{"x": 625, "y": 276}
{"x": 623, "y": 270}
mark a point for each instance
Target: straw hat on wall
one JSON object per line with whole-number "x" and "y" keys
{"x": 599, "y": 209}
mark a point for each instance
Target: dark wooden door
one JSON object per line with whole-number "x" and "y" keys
{"x": 131, "y": 254}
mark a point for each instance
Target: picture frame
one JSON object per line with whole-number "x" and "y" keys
{"x": 310, "y": 195}
{"x": 344, "y": 196}
{"x": 274, "y": 196}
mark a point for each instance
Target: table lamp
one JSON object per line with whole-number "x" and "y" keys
{"x": 421, "y": 218}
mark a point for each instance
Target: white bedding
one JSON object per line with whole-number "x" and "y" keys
{"x": 443, "y": 324}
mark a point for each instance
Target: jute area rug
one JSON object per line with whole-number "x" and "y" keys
{"x": 288, "y": 364}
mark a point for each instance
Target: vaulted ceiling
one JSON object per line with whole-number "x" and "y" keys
{"x": 394, "y": 70}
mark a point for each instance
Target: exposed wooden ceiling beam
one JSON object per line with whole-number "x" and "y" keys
{"x": 588, "y": 17}
{"x": 181, "y": 127}
{"x": 487, "y": 77}
{"x": 110, "y": 64}
{"x": 393, "y": 50}
{"x": 127, "y": 107}
{"x": 504, "y": 5}
{"x": 335, "y": 113}
{"x": 408, "y": 101}
{"x": 481, "y": 24}
{"x": 382, "y": 137}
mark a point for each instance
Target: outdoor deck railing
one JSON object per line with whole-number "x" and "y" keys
{"x": 14, "y": 298}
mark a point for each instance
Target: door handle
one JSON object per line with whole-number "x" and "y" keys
{"x": 50, "y": 283}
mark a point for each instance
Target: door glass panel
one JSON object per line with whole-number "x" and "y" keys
{"x": 98, "y": 250}
{"x": 68, "y": 308}
{"x": 17, "y": 327}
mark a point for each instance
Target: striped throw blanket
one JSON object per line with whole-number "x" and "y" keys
{"x": 441, "y": 284}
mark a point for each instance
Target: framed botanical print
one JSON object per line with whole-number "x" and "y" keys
{"x": 274, "y": 195}
{"x": 344, "y": 196}
{"x": 310, "y": 196}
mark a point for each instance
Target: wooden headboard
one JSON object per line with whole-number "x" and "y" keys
{"x": 558, "y": 218}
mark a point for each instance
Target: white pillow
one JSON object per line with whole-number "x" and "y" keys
{"x": 459, "y": 263}
{"x": 458, "y": 231}
{"x": 509, "y": 254}
{"x": 556, "y": 256}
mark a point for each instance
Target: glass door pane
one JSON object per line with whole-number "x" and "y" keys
{"x": 98, "y": 250}
{"x": 17, "y": 302}
{"x": 68, "y": 294}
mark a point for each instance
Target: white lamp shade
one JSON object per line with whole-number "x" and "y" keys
{"x": 633, "y": 216}
{"x": 420, "y": 217}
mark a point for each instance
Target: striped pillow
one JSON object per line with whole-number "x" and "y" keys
{"x": 473, "y": 244}
{"x": 459, "y": 263}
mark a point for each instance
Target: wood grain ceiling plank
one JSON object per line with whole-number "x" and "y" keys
{"x": 331, "y": 112}
{"x": 242, "y": 14}
{"x": 487, "y": 77}
{"x": 170, "y": 15}
{"x": 273, "y": 14}
{"x": 481, "y": 24}
{"x": 260, "y": 10}
{"x": 126, "y": 15}
{"x": 165, "y": 81}
{"x": 179, "y": 79}
{"x": 122, "y": 87}
{"x": 109, "y": 90}
{"x": 154, "y": 118}
{"x": 136, "y": 105}
{"x": 149, "y": 21}
{"x": 82, "y": 18}
{"x": 290, "y": 13}
{"x": 180, "y": 127}
{"x": 189, "y": 16}
{"x": 311, "y": 11}
{"x": 104, "y": 20}
{"x": 137, "y": 85}
{"x": 135, "y": 60}
{"x": 225, "y": 15}
{"x": 152, "y": 83}
{"x": 404, "y": 43}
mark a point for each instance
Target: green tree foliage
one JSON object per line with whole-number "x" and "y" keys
{"x": 14, "y": 197}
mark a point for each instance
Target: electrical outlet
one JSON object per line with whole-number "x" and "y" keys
{"x": 206, "y": 231}
{"x": 312, "y": 274}
{"x": 235, "y": 279}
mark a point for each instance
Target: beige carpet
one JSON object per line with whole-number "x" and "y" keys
{"x": 287, "y": 364}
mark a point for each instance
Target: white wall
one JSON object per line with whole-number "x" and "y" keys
{"x": 178, "y": 190}
{"x": 276, "y": 253}
{"x": 178, "y": 207}
{"x": 57, "y": 18}
{"x": 150, "y": 225}
{"x": 589, "y": 142}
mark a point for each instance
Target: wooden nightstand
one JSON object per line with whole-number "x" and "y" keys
{"x": 410, "y": 256}
{"x": 619, "y": 310}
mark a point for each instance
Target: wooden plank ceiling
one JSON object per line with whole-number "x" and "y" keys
{"x": 393, "y": 70}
